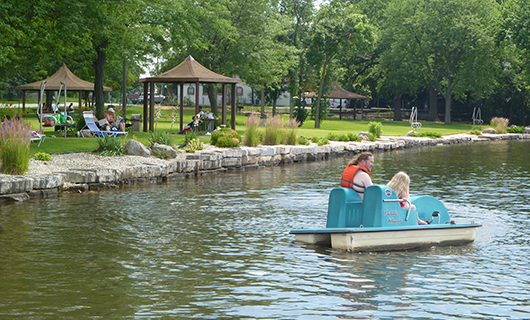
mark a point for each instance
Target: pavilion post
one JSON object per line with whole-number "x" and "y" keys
{"x": 151, "y": 106}
{"x": 197, "y": 86}
{"x": 233, "y": 120}
{"x": 181, "y": 97}
{"x": 145, "y": 106}
{"x": 223, "y": 114}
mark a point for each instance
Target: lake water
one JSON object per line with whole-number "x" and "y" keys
{"x": 217, "y": 247}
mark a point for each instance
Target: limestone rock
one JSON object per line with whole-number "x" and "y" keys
{"x": 489, "y": 130}
{"x": 162, "y": 147}
{"x": 136, "y": 148}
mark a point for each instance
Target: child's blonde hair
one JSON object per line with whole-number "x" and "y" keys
{"x": 400, "y": 184}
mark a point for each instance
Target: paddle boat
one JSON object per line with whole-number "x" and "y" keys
{"x": 379, "y": 223}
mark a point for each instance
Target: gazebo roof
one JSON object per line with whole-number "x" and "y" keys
{"x": 62, "y": 75}
{"x": 190, "y": 71}
{"x": 338, "y": 92}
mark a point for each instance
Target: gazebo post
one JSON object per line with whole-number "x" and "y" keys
{"x": 197, "y": 86}
{"x": 145, "y": 106}
{"x": 233, "y": 120}
{"x": 181, "y": 98}
{"x": 151, "y": 106}
{"x": 223, "y": 112}
{"x": 23, "y": 101}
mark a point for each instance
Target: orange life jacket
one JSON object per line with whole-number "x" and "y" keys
{"x": 347, "y": 177}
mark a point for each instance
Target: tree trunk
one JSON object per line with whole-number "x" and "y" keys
{"x": 274, "y": 101}
{"x": 397, "y": 108}
{"x": 448, "y": 98}
{"x": 433, "y": 104}
{"x": 99, "y": 68}
{"x": 319, "y": 96}
{"x": 262, "y": 103}
{"x": 212, "y": 96}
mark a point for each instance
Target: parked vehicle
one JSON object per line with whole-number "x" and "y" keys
{"x": 158, "y": 98}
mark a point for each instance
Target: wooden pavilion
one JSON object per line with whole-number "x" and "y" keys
{"x": 337, "y": 92}
{"x": 188, "y": 71}
{"x": 53, "y": 83}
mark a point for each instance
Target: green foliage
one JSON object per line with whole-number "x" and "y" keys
{"x": 343, "y": 138}
{"x": 300, "y": 112}
{"x": 194, "y": 145}
{"x": 371, "y": 137}
{"x": 322, "y": 142}
{"x": 475, "y": 132}
{"x": 290, "y": 136}
{"x": 14, "y": 148}
{"x": 353, "y": 137}
{"x": 516, "y": 129}
{"x": 303, "y": 141}
{"x": 427, "y": 134}
{"x": 188, "y": 136}
{"x": 160, "y": 137}
{"x": 375, "y": 129}
{"x": 499, "y": 124}
{"x": 251, "y": 137}
{"x": 161, "y": 153}
{"x": 315, "y": 139}
{"x": 41, "y": 156}
{"x": 226, "y": 138}
{"x": 332, "y": 136}
{"x": 110, "y": 146}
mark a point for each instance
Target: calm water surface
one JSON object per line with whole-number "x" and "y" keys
{"x": 217, "y": 247}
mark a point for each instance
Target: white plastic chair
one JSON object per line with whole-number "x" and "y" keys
{"x": 96, "y": 132}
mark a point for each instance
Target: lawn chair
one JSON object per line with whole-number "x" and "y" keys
{"x": 35, "y": 136}
{"x": 95, "y": 131}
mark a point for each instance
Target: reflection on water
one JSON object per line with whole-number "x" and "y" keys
{"x": 217, "y": 247}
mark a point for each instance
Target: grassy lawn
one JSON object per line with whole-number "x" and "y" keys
{"x": 56, "y": 143}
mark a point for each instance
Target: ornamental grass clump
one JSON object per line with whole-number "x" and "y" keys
{"x": 290, "y": 135}
{"x": 499, "y": 124}
{"x": 15, "y": 139}
{"x": 251, "y": 137}
{"x": 273, "y": 131}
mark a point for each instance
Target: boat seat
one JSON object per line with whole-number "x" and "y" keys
{"x": 427, "y": 205}
{"x": 344, "y": 208}
{"x": 379, "y": 212}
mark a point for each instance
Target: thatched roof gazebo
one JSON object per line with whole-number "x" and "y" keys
{"x": 53, "y": 83}
{"x": 188, "y": 71}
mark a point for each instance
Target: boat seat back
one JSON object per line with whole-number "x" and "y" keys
{"x": 344, "y": 209}
{"x": 427, "y": 206}
{"x": 379, "y": 212}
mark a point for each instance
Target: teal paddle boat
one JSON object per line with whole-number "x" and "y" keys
{"x": 380, "y": 223}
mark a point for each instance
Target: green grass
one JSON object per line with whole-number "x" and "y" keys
{"x": 59, "y": 144}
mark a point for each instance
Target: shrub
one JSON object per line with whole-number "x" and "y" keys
{"x": 251, "y": 137}
{"x": 375, "y": 128}
{"x": 315, "y": 139}
{"x": 273, "y": 131}
{"x": 343, "y": 137}
{"x": 332, "y": 136}
{"x": 516, "y": 129}
{"x": 110, "y": 146}
{"x": 322, "y": 142}
{"x": 14, "y": 147}
{"x": 160, "y": 137}
{"x": 303, "y": 141}
{"x": 41, "y": 156}
{"x": 194, "y": 145}
{"x": 299, "y": 112}
{"x": 189, "y": 136}
{"x": 226, "y": 138}
{"x": 499, "y": 124}
{"x": 372, "y": 137}
{"x": 475, "y": 132}
{"x": 427, "y": 134}
{"x": 354, "y": 137}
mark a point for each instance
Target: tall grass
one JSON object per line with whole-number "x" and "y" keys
{"x": 273, "y": 131}
{"x": 290, "y": 136}
{"x": 15, "y": 139}
{"x": 251, "y": 136}
{"x": 500, "y": 124}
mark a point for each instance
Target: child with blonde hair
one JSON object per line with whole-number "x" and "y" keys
{"x": 400, "y": 184}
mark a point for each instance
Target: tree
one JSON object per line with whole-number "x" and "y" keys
{"x": 452, "y": 40}
{"x": 338, "y": 29}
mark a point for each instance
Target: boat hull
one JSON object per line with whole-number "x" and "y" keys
{"x": 383, "y": 239}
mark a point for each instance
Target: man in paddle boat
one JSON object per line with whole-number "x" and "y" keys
{"x": 356, "y": 175}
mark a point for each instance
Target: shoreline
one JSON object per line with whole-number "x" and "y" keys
{"x": 82, "y": 172}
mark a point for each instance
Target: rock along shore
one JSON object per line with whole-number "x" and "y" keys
{"x": 83, "y": 172}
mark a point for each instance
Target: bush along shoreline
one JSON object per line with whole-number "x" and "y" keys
{"x": 112, "y": 172}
